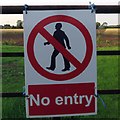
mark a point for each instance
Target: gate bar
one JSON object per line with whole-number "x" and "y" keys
{"x": 112, "y": 9}
{"x": 21, "y": 54}
{"x": 20, "y": 94}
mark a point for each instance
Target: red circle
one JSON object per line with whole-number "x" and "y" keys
{"x": 42, "y": 24}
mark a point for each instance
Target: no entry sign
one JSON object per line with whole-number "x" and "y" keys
{"x": 39, "y": 28}
{"x": 54, "y": 84}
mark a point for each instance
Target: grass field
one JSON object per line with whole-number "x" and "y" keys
{"x": 105, "y": 37}
{"x": 108, "y": 37}
{"x": 13, "y": 81}
{"x": 12, "y": 36}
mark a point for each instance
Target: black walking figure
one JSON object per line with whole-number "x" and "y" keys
{"x": 60, "y": 36}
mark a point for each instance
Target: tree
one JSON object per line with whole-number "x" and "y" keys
{"x": 118, "y": 26}
{"x": 19, "y": 24}
{"x": 7, "y": 26}
{"x": 104, "y": 25}
{"x": 97, "y": 25}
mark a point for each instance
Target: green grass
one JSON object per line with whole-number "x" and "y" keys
{"x": 108, "y": 48}
{"x": 13, "y": 81}
{"x": 12, "y": 74}
{"x": 13, "y": 108}
{"x": 107, "y": 72}
{"x": 8, "y": 48}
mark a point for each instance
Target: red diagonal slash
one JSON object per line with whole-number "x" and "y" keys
{"x": 60, "y": 48}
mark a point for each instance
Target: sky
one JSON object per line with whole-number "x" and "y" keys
{"x": 111, "y": 19}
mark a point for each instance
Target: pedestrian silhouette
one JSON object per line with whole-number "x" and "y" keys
{"x": 60, "y": 36}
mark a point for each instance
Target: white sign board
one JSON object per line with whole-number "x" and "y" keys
{"x": 60, "y": 62}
